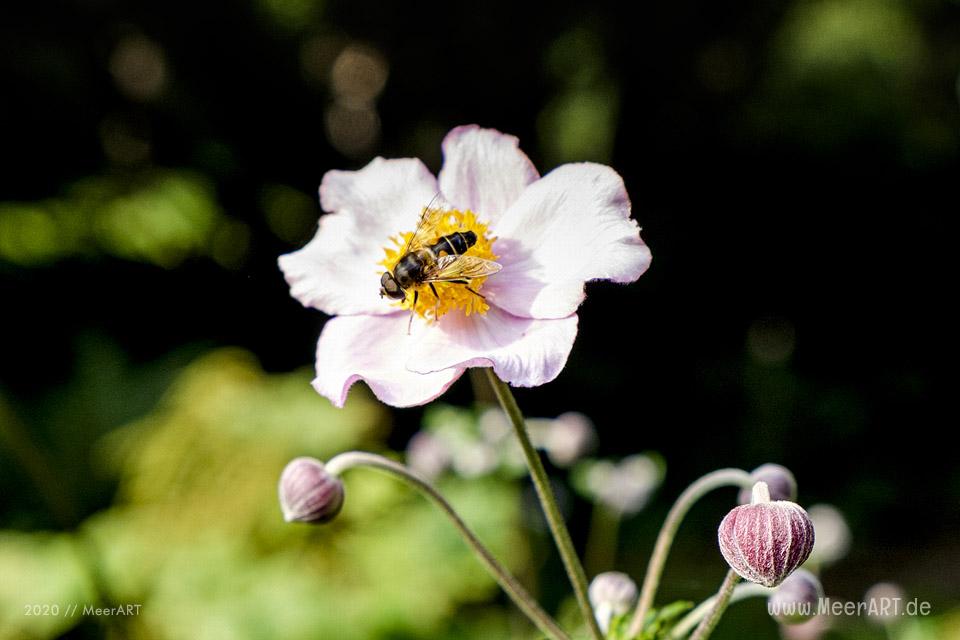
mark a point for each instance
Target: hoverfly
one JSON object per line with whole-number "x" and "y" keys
{"x": 429, "y": 257}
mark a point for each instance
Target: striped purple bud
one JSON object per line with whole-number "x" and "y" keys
{"x": 764, "y": 542}
{"x": 308, "y": 493}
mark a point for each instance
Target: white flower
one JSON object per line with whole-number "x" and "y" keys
{"x": 551, "y": 234}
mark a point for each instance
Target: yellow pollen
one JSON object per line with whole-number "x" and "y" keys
{"x": 452, "y": 296}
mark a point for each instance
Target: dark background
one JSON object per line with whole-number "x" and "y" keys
{"x": 800, "y": 205}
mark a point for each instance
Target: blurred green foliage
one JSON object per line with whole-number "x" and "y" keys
{"x": 839, "y": 70}
{"x": 579, "y": 123}
{"x": 159, "y": 217}
{"x": 195, "y": 534}
{"x": 830, "y": 40}
{"x": 291, "y": 14}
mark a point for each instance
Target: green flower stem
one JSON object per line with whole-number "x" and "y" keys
{"x": 554, "y": 519}
{"x": 338, "y": 464}
{"x": 740, "y": 592}
{"x": 721, "y": 600}
{"x": 703, "y": 486}
{"x": 602, "y": 541}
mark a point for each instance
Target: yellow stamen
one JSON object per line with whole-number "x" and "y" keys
{"x": 452, "y": 296}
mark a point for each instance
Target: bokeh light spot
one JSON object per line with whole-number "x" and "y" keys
{"x": 139, "y": 68}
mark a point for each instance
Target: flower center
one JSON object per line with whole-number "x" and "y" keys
{"x": 449, "y": 295}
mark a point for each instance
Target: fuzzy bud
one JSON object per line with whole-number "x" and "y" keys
{"x": 612, "y": 594}
{"x": 813, "y": 629}
{"x": 885, "y": 602}
{"x": 779, "y": 479}
{"x": 833, "y": 534}
{"x": 764, "y": 542}
{"x": 797, "y": 599}
{"x": 308, "y": 493}
{"x": 570, "y": 437}
{"x": 428, "y": 454}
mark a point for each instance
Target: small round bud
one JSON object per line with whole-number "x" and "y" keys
{"x": 764, "y": 542}
{"x": 494, "y": 426}
{"x": 797, "y": 599}
{"x": 472, "y": 459}
{"x": 885, "y": 602}
{"x": 568, "y": 438}
{"x": 782, "y": 484}
{"x": 833, "y": 534}
{"x": 308, "y": 493}
{"x": 612, "y": 594}
{"x": 813, "y": 629}
{"x": 428, "y": 455}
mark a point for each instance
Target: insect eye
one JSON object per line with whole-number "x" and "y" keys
{"x": 390, "y": 287}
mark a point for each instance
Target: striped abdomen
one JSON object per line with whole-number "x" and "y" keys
{"x": 454, "y": 244}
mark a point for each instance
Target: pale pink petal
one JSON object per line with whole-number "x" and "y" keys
{"x": 522, "y": 351}
{"x": 570, "y": 227}
{"x": 386, "y": 196}
{"x": 375, "y": 349}
{"x": 337, "y": 271}
{"x": 484, "y": 171}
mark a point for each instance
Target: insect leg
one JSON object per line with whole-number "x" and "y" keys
{"x": 465, "y": 284}
{"x": 436, "y": 307}
{"x": 413, "y": 310}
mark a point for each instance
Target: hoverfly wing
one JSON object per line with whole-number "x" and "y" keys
{"x": 427, "y": 226}
{"x": 459, "y": 267}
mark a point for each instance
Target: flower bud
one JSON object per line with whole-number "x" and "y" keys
{"x": 813, "y": 629}
{"x": 833, "y": 534}
{"x": 568, "y": 438}
{"x": 780, "y": 482}
{"x": 612, "y": 594}
{"x": 764, "y": 542}
{"x": 885, "y": 602}
{"x": 308, "y": 493}
{"x": 428, "y": 454}
{"x": 797, "y": 599}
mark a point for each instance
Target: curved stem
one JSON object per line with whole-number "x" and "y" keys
{"x": 721, "y": 600}
{"x": 701, "y": 487}
{"x": 541, "y": 483}
{"x": 740, "y": 592}
{"x": 338, "y": 464}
